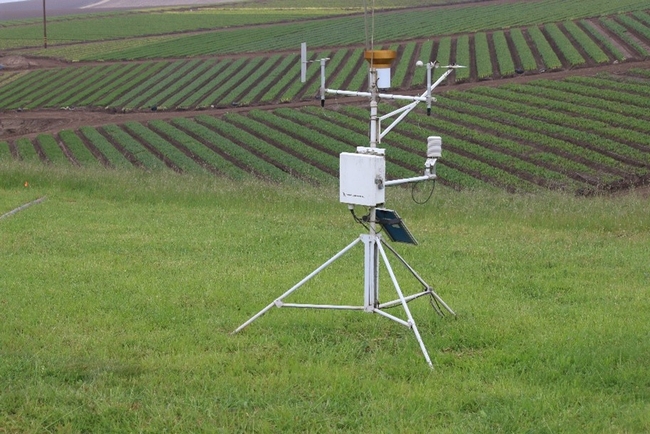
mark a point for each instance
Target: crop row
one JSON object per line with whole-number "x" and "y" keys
{"x": 136, "y": 24}
{"x": 199, "y": 150}
{"x": 520, "y": 127}
{"x": 579, "y": 134}
{"x": 575, "y": 129}
{"x": 503, "y": 54}
{"x": 564, "y": 45}
{"x": 639, "y": 27}
{"x": 588, "y": 44}
{"x": 395, "y": 25}
{"x": 462, "y": 58}
{"x": 564, "y": 102}
{"x": 623, "y": 32}
{"x": 526, "y": 57}
{"x": 483, "y": 60}
{"x": 603, "y": 39}
{"x": 530, "y": 161}
{"x": 548, "y": 55}
{"x": 391, "y": 26}
{"x": 277, "y": 148}
{"x": 221, "y": 82}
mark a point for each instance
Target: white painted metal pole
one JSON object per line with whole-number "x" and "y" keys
{"x": 426, "y": 96}
{"x": 320, "y": 306}
{"x": 397, "y": 111}
{"x": 303, "y": 62}
{"x": 322, "y": 81}
{"x": 405, "y": 305}
{"x": 22, "y": 207}
{"x": 419, "y": 279}
{"x": 394, "y": 303}
{"x": 371, "y": 272}
{"x": 393, "y": 317}
{"x": 380, "y": 95}
{"x": 371, "y": 241}
{"x": 429, "y": 67}
{"x": 398, "y": 120}
{"x": 298, "y": 285}
{"x": 407, "y": 180}
{"x": 374, "y": 120}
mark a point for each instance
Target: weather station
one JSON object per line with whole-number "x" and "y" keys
{"x": 363, "y": 183}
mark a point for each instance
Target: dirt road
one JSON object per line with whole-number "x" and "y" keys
{"x": 34, "y": 8}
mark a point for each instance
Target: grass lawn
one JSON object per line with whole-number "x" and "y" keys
{"x": 119, "y": 291}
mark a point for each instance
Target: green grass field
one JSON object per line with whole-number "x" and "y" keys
{"x": 118, "y": 293}
{"x": 120, "y": 288}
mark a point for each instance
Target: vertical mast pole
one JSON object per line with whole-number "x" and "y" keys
{"x": 374, "y": 128}
{"x": 374, "y": 118}
{"x": 429, "y": 67}
{"x": 372, "y": 249}
{"x": 322, "y": 82}
{"x": 44, "y": 27}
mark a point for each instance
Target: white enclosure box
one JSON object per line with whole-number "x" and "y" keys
{"x": 362, "y": 178}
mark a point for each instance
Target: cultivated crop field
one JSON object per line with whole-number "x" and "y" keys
{"x": 272, "y": 78}
{"x": 177, "y": 177}
{"x": 583, "y": 135}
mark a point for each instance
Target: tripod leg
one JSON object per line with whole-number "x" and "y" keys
{"x": 405, "y": 306}
{"x": 278, "y": 301}
{"x": 425, "y": 284}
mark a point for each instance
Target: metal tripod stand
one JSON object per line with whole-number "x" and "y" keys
{"x": 372, "y": 163}
{"x": 373, "y": 248}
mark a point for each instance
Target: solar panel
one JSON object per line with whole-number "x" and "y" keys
{"x": 394, "y": 226}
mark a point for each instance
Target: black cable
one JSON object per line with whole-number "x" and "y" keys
{"x": 357, "y": 219}
{"x": 362, "y": 221}
{"x": 433, "y": 186}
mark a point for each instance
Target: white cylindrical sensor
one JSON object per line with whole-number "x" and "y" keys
{"x": 434, "y": 147}
{"x": 383, "y": 78}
